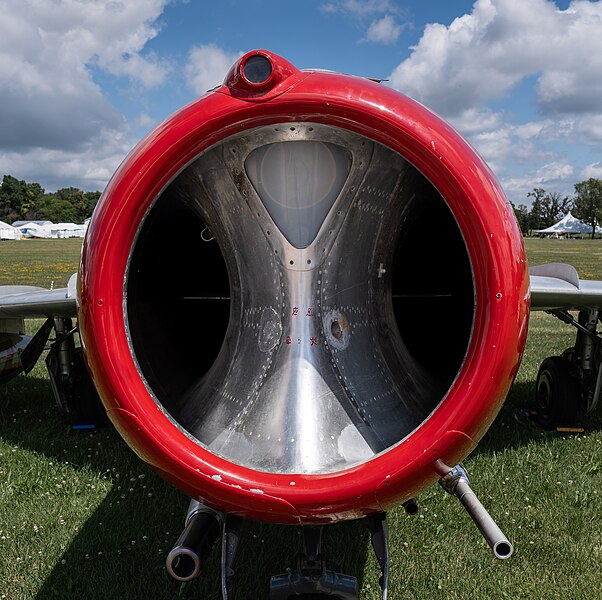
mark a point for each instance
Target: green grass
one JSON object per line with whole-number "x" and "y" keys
{"x": 82, "y": 517}
{"x": 45, "y": 263}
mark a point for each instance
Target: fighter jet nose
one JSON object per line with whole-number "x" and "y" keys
{"x": 299, "y": 293}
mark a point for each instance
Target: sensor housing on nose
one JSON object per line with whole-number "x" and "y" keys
{"x": 257, "y": 69}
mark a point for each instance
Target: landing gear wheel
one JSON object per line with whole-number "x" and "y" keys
{"x": 569, "y": 354}
{"x": 557, "y": 394}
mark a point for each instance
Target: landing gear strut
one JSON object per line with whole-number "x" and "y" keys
{"x": 316, "y": 576}
{"x": 71, "y": 383}
{"x": 568, "y": 386}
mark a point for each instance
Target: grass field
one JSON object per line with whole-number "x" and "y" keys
{"x": 82, "y": 517}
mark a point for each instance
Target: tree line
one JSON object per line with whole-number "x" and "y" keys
{"x": 22, "y": 201}
{"x": 549, "y": 208}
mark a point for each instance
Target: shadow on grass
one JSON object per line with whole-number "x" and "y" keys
{"x": 514, "y": 428}
{"x": 120, "y": 549}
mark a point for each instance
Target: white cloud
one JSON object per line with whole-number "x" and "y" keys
{"x": 584, "y": 130}
{"x": 553, "y": 172}
{"x": 52, "y": 113}
{"x": 530, "y": 130}
{"x": 207, "y": 66}
{"x": 592, "y": 170}
{"x": 587, "y": 129}
{"x": 554, "y": 176}
{"x": 523, "y": 156}
{"x": 497, "y": 141}
{"x": 473, "y": 121}
{"x": 144, "y": 121}
{"x": 383, "y": 31}
{"x": 482, "y": 56}
{"x": 89, "y": 167}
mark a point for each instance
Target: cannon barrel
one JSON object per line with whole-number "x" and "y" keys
{"x": 456, "y": 482}
{"x": 186, "y": 558}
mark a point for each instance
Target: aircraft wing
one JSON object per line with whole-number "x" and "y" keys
{"x": 19, "y": 352}
{"x": 557, "y": 286}
{"x": 21, "y": 301}
{"x": 553, "y": 286}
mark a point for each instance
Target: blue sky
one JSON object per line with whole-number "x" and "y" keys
{"x": 81, "y": 81}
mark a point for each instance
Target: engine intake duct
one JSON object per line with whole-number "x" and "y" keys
{"x": 326, "y": 294}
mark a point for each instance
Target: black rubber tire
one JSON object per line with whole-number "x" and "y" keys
{"x": 556, "y": 394}
{"x": 568, "y": 354}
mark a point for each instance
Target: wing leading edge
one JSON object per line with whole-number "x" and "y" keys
{"x": 26, "y": 302}
{"x": 557, "y": 286}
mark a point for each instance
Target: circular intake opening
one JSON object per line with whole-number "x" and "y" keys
{"x": 237, "y": 337}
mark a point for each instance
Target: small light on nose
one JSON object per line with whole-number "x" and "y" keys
{"x": 257, "y": 69}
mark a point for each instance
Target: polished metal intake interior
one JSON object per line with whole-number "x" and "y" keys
{"x": 299, "y": 299}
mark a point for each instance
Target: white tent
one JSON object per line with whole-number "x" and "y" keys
{"x": 566, "y": 226}
{"x": 53, "y": 230}
{"x": 66, "y": 230}
{"x": 33, "y": 230}
{"x": 19, "y": 223}
{"x": 8, "y": 232}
